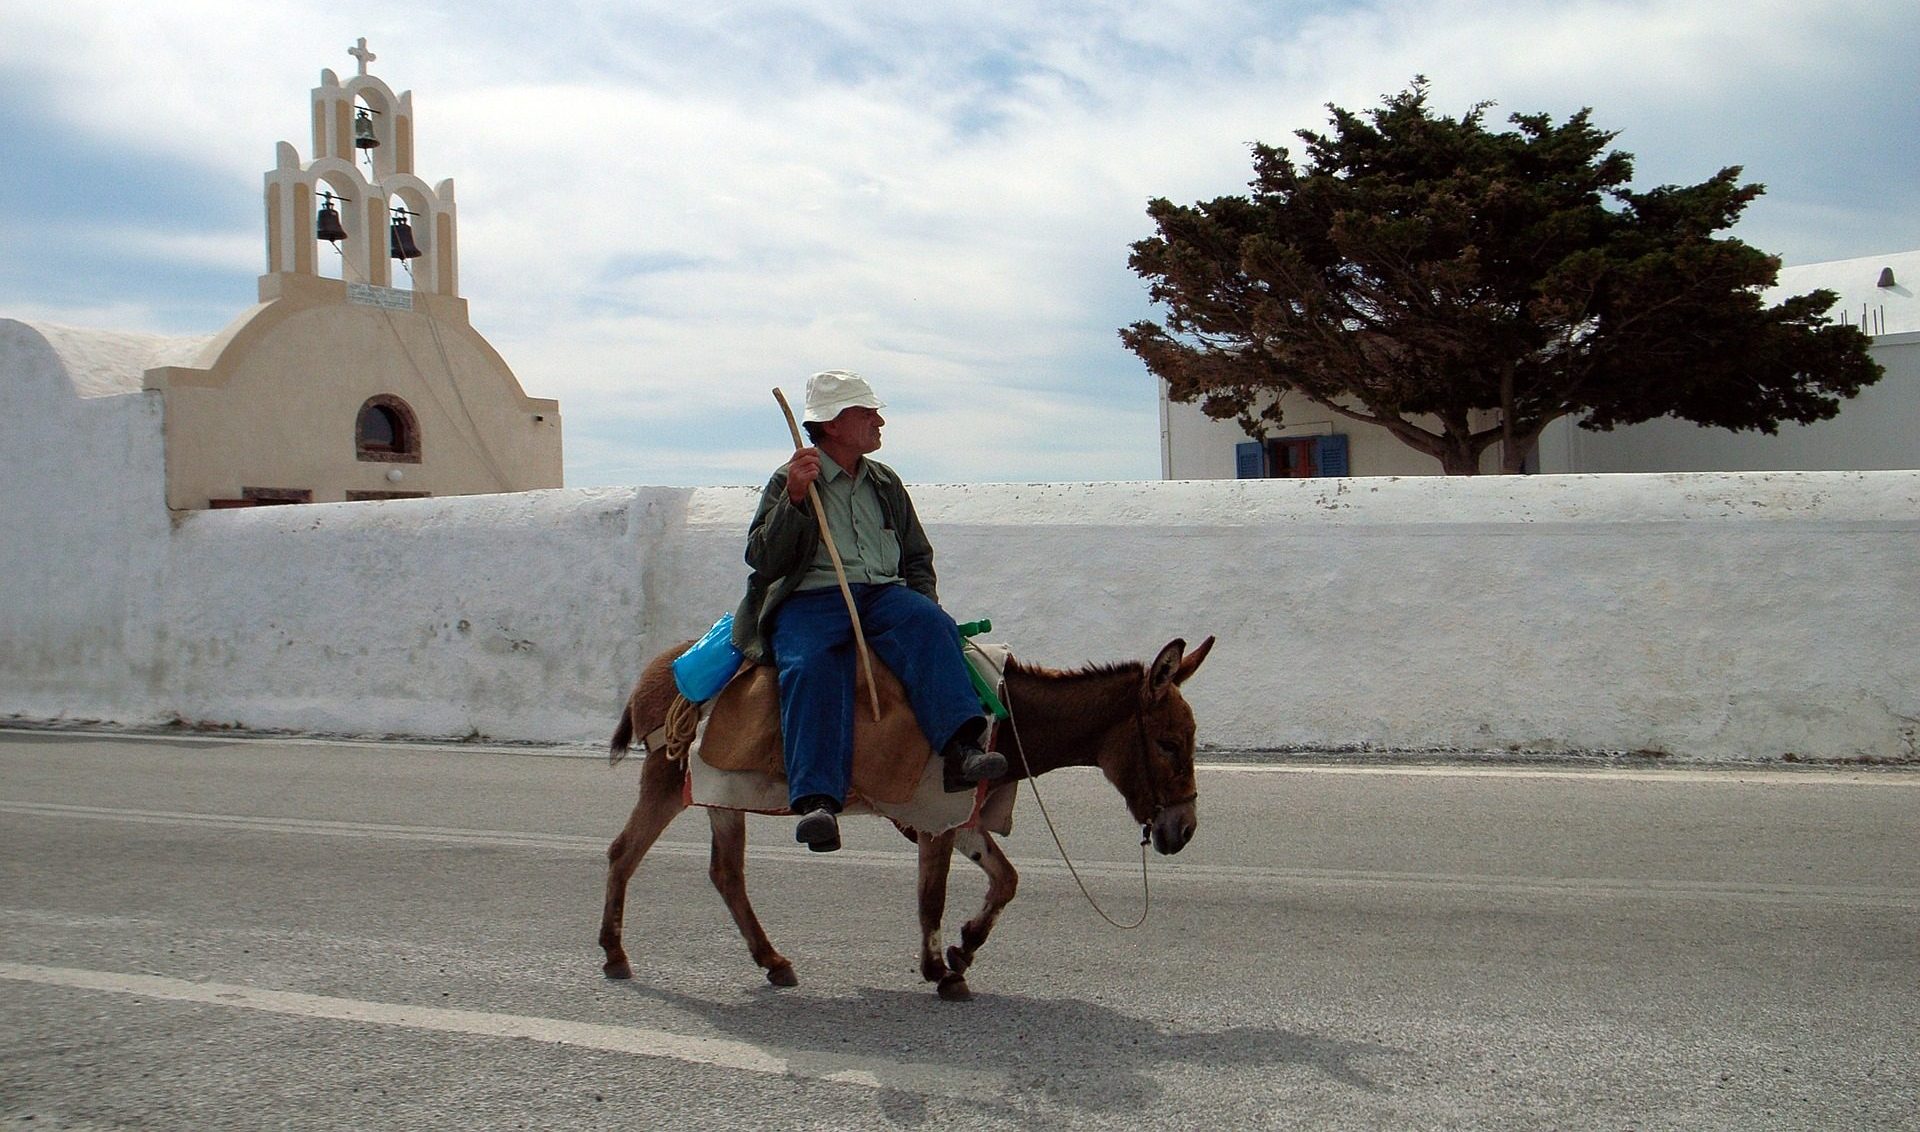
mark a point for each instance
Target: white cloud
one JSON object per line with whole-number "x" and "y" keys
{"x": 665, "y": 210}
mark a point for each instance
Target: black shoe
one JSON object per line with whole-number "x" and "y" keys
{"x": 967, "y": 764}
{"x": 818, "y": 830}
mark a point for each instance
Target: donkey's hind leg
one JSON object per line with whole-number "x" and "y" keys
{"x": 1003, "y": 881}
{"x": 661, "y": 800}
{"x": 728, "y": 868}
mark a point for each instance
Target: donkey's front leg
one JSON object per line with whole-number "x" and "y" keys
{"x": 936, "y": 857}
{"x": 1003, "y": 881}
{"x": 728, "y": 869}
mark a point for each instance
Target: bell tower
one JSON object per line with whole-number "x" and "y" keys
{"x": 359, "y": 197}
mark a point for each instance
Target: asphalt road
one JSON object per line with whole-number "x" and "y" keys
{"x": 205, "y": 934}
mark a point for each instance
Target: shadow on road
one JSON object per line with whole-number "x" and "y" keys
{"x": 1063, "y": 1051}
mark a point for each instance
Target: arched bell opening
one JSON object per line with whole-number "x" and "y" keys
{"x": 410, "y": 238}
{"x": 370, "y": 134}
{"x": 338, "y": 226}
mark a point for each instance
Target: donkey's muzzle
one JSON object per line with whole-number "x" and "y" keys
{"x": 1173, "y": 827}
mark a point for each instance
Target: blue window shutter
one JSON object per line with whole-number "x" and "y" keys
{"x": 1331, "y": 456}
{"x": 1250, "y": 460}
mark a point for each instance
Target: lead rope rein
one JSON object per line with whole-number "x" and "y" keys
{"x": 1033, "y": 784}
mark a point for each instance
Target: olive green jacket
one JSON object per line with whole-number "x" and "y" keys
{"x": 782, "y": 543}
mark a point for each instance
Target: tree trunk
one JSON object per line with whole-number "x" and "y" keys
{"x": 1522, "y": 442}
{"x": 1458, "y": 454}
{"x": 1509, "y": 443}
{"x": 1514, "y": 452}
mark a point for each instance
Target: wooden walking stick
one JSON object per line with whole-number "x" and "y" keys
{"x": 839, "y": 571}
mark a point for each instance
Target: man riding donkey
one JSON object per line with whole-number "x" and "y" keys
{"x": 795, "y": 617}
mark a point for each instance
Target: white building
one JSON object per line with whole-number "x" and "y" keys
{"x": 1877, "y": 430}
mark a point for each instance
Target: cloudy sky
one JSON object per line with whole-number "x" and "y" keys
{"x": 668, "y": 208}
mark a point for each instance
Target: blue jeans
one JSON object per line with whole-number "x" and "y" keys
{"x": 813, "y": 649}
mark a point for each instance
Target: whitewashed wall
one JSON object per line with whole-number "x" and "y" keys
{"x": 1708, "y": 616}
{"x": 83, "y": 524}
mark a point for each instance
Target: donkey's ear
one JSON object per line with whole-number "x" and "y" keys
{"x": 1192, "y": 662}
{"x": 1165, "y": 670}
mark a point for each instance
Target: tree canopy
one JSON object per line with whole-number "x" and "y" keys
{"x": 1462, "y": 287}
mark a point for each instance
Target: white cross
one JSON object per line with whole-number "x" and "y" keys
{"x": 359, "y": 51}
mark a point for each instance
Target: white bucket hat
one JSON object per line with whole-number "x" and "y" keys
{"x": 831, "y": 391}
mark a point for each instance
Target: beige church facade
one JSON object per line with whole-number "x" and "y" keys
{"x": 315, "y": 396}
{"x": 357, "y": 376}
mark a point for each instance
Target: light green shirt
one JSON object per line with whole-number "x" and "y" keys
{"x": 868, "y": 550}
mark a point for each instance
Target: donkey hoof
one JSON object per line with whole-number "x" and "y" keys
{"x": 954, "y": 988}
{"x": 782, "y": 975}
{"x": 958, "y": 961}
{"x": 617, "y": 969}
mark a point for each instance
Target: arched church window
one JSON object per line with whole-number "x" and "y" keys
{"x": 387, "y": 431}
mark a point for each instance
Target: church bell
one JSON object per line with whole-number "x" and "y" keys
{"x": 400, "y": 240}
{"x": 363, "y": 131}
{"x": 327, "y": 225}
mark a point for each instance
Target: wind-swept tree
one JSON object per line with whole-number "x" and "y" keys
{"x": 1461, "y": 287}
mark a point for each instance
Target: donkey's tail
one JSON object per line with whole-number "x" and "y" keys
{"x": 650, "y": 705}
{"x": 622, "y": 737}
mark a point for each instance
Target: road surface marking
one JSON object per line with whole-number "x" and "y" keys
{"x": 1873, "y": 896}
{"x": 866, "y": 1072}
{"x": 1730, "y": 775}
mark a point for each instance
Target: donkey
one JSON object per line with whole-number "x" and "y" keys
{"x": 1128, "y": 719}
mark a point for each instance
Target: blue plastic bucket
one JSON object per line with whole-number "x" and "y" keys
{"x": 704, "y": 669}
